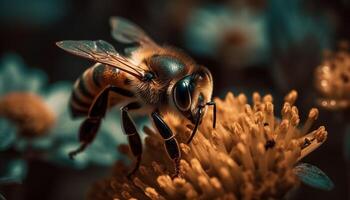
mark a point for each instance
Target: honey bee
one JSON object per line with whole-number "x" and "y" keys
{"x": 146, "y": 79}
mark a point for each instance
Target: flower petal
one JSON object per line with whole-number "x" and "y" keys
{"x": 13, "y": 70}
{"x": 60, "y": 156}
{"x": 57, "y": 97}
{"x": 7, "y": 134}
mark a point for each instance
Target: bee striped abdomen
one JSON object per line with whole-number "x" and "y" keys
{"x": 90, "y": 84}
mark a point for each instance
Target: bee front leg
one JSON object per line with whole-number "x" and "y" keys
{"x": 171, "y": 144}
{"x": 134, "y": 139}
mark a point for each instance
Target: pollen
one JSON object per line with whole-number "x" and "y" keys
{"x": 249, "y": 155}
{"x": 28, "y": 112}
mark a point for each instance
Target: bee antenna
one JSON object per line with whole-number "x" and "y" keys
{"x": 198, "y": 119}
{"x": 212, "y": 103}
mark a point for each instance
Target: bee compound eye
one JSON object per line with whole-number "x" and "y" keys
{"x": 182, "y": 95}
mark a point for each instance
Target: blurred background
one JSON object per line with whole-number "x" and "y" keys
{"x": 269, "y": 46}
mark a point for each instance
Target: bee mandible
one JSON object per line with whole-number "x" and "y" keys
{"x": 145, "y": 79}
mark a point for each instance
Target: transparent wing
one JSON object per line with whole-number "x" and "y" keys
{"x": 102, "y": 52}
{"x": 313, "y": 176}
{"x": 127, "y": 32}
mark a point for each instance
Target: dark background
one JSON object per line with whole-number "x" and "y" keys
{"x": 88, "y": 20}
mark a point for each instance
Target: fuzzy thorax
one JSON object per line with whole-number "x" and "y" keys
{"x": 28, "y": 112}
{"x": 250, "y": 155}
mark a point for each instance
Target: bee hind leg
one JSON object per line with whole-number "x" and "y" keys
{"x": 91, "y": 125}
{"x": 87, "y": 133}
{"x": 170, "y": 142}
{"x": 134, "y": 139}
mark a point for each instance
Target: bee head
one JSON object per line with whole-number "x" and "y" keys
{"x": 192, "y": 93}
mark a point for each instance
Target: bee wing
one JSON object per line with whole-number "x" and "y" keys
{"x": 313, "y": 176}
{"x": 102, "y": 52}
{"x": 127, "y": 32}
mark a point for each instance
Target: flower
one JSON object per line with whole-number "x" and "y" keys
{"x": 30, "y": 104}
{"x": 14, "y": 76}
{"x": 17, "y": 80}
{"x": 35, "y": 121}
{"x": 250, "y": 155}
{"x": 332, "y": 79}
{"x": 63, "y": 137}
{"x": 28, "y": 111}
{"x": 238, "y": 36}
{"x": 13, "y": 70}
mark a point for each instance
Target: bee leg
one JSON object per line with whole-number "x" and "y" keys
{"x": 87, "y": 133}
{"x": 198, "y": 120}
{"x": 91, "y": 125}
{"x": 134, "y": 139}
{"x": 170, "y": 141}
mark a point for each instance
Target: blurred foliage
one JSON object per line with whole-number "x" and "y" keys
{"x": 36, "y": 13}
{"x": 346, "y": 144}
{"x": 298, "y": 38}
{"x": 290, "y": 23}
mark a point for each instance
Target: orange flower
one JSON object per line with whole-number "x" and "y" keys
{"x": 250, "y": 155}
{"x": 29, "y": 112}
{"x": 332, "y": 79}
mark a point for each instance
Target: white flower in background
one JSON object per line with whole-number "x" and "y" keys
{"x": 65, "y": 134}
{"x": 14, "y": 76}
{"x": 62, "y": 137}
{"x": 238, "y": 36}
